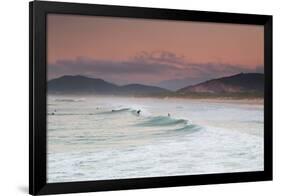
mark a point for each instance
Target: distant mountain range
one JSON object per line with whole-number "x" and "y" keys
{"x": 81, "y": 84}
{"x": 240, "y": 83}
{"x": 248, "y": 84}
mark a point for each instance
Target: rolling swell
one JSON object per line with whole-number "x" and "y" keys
{"x": 190, "y": 127}
{"x": 69, "y": 100}
{"x": 162, "y": 121}
{"x": 168, "y": 124}
{"x": 69, "y": 114}
{"x": 121, "y": 110}
{"x": 165, "y": 123}
{"x": 118, "y": 111}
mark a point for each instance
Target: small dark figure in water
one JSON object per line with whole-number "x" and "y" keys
{"x": 113, "y": 110}
{"x": 53, "y": 113}
{"x": 138, "y": 112}
{"x": 169, "y": 114}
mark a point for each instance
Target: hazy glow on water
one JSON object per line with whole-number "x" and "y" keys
{"x": 97, "y": 138}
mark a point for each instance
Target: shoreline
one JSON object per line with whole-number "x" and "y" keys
{"x": 234, "y": 100}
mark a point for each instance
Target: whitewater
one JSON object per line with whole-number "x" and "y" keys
{"x": 99, "y": 138}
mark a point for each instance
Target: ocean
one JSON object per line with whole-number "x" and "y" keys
{"x": 102, "y": 137}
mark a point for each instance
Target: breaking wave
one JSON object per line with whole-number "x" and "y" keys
{"x": 165, "y": 123}
{"x": 162, "y": 121}
{"x": 170, "y": 124}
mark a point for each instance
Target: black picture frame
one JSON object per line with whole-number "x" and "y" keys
{"x": 38, "y": 11}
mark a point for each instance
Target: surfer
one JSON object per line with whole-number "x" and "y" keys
{"x": 169, "y": 114}
{"x": 138, "y": 112}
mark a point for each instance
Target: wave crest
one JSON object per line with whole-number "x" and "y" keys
{"x": 163, "y": 121}
{"x": 173, "y": 123}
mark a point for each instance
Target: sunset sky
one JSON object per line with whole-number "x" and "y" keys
{"x": 164, "y": 53}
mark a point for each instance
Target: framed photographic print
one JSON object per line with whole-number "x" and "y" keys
{"x": 128, "y": 98}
